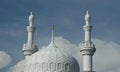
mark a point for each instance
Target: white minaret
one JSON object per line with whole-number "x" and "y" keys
{"x": 29, "y": 48}
{"x": 87, "y": 47}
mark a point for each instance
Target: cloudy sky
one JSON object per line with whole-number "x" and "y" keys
{"x": 68, "y": 17}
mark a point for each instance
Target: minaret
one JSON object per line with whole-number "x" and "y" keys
{"x": 87, "y": 47}
{"x": 29, "y": 48}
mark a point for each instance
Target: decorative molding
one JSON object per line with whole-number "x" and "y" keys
{"x": 29, "y": 49}
{"x": 87, "y": 48}
{"x": 87, "y": 28}
{"x": 30, "y": 28}
{"x": 88, "y": 51}
{"x": 87, "y": 44}
{"x": 50, "y": 67}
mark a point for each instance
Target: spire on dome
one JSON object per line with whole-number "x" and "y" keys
{"x": 87, "y": 18}
{"x": 52, "y": 28}
{"x": 52, "y": 44}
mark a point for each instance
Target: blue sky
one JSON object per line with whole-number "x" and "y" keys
{"x": 68, "y": 17}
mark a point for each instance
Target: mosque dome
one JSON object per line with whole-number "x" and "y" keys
{"x": 51, "y": 59}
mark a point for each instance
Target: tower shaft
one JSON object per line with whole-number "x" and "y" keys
{"x": 87, "y": 30}
{"x": 87, "y": 63}
{"x": 30, "y": 30}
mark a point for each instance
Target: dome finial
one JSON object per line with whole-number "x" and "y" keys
{"x": 31, "y": 18}
{"x": 52, "y": 28}
{"x": 87, "y": 17}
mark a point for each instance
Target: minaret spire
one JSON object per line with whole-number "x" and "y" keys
{"x": 87, "y": 18}
{"x": 52, "y": 28}
{"x": 87, "y": 27}
{"x": 29, "y": 48}
{"x": 31, "y": 19}
{"x": 31, "y": 28}
{"x": 87, "y": 47}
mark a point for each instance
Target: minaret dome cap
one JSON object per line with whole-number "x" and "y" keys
{"x": 87, "y": 16}
{"x": 31, "y": 17}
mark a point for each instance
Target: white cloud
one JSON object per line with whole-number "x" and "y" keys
{"x": 106, "y": 58}
{"x": 17, "y": 68}
{"x": 5, "y": 59}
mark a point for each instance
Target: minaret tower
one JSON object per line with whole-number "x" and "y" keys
{"x": 87, "y": 47}
{"x": 29, "y": 48}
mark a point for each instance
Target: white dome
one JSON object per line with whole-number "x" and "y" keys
{"x": 51, "y": 59}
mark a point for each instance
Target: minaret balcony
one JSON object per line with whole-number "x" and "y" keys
{"x": 30, "y": 28}
{"x": 29, "y": 49}
{"x": 87, "y": 44}
{"x": 87, "y": 48}
{"x": 87, "y": 28}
